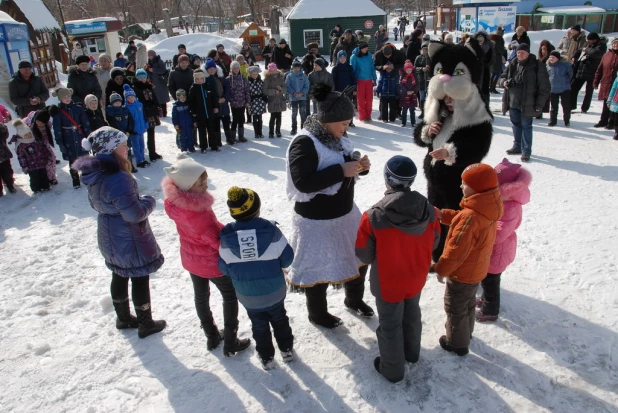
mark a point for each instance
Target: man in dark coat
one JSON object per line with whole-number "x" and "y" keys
{"x": 157, "y": 72}
{"x": 309, "y": 58}
{"x": 27, "y": 91}
{"x": 348, "y": 42}
{"x": 527, "y": 83}
{"x": 389, "y": 54}
{"x": 414, "y": 45}
{"x": 500, "y": 56}
{"x": 182, "y": 49}
{"x": 83, "y": 80}
{"x": 585, "y": 67}
{"x": 336, "y": 32}
{"x": 181, "y": 77}
{"x": 334, "y": 36}
{"x": 283, "y": 56}
{"x": 267, "y": 53}
{"x": 131, "y": 52}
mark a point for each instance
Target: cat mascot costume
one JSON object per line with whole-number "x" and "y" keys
{"x": 466, "y": 123}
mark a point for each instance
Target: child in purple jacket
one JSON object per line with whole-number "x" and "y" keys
{"x": 33, "y": 157}
{"x": 513, "y": 181}
{"x": 240, "y": 99}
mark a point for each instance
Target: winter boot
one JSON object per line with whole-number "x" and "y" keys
{"x": 241, "y": 135}
{"x": 213, "y": 337}
{"x": 317, "y": 307}
{"x": 75, "y": 178}
{"x": 229, "y": 137}
{"x": 147, "y": 325}
{"x": 360, "y": 308}
{"x": 287, "y": 355}
{"x": 124, "y": 318}
{"x": 513, "y": 151}
{"x": 376, "y": 365}
{"x": 446, "y": 346}
{"x": 268, "y": 364}
{"x": 482, "y": 317}
{"x": 354, "y": 292}
{"x": 232, "y": 344}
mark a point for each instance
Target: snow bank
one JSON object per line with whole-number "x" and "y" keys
{"x": 5, "y": 18}
{"x": 197, "y": 43}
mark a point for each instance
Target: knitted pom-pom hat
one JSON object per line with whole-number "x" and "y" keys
{"x": 244, "y": 203}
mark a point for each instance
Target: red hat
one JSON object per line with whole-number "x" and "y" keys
{"x": 480, "y": 177}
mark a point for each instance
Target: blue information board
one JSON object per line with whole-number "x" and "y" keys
{"x": 86, "y": 28}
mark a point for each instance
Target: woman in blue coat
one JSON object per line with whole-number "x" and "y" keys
{"x": 70, "y": 127}
{"x": 125, "y": 238}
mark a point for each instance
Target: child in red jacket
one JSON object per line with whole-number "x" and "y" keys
{"x": 189, "y": 204}
{"x": 397, "y": 236}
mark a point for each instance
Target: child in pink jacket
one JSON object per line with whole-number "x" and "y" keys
{"x": 189, "y": 204}
{"x": 513, "y": 183}
{"x": 5, "y": 115}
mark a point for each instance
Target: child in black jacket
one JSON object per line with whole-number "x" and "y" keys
{"x": 204, "y": 106}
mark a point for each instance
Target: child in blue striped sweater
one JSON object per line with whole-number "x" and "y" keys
{"x": 253, "y": 252}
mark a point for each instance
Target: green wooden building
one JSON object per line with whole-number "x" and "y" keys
{"x": 313, "y": 20}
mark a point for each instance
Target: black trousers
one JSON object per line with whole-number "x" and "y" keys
{"x": 163, "y": 107}
{"x": 565, "y": 101}
{"x": 74, "y": 173}
{"x": 38, "y": 180}
{"x": 226, "y": 121}
{"x": 274, "y": 123}
{"x": 388, "y": 108}
{"x": 317, "y": 305}
{"x": 257, "y": 125}
{"x": 150, "y": 143}
{"x": 6, "y": 174}
{"x": 576, "y": 86}
{"x": 607, "y": 116}
{"x": 261, "y": 321}
{"x": 207, "y": 131}
{"x": 140, "y": 289}
{"x": 201, "y": 293}
{"x": 491, "y": 294}
{"x": 238, "y": 119}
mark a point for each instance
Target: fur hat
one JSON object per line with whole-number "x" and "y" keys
{"x": 556, "y": 54}
{"x": 244, "y": 203}
{"x": 408, "y": 65}
{"x": 272, "y": 66}
{"x": 24, "y": 64}
{"x": 104, "y": 140}
{"x": 593, "y": 36}
{"x": 61, "y": 92}
{"x": 448, "y": 37}
{"x": 114, "y": 97}
{"x": 181, "y": 92}
{"x": 82, "y": 59}
{"x": 362, "y": 45}
{"x": 128, "y": 91}
{"x": 524, "y": 47}
{"x": 399, "y": 172}
{"x": 480, "y": 177}
{"x": 105, "y": 56}
{"x": 234, "y": 65}
{"x": 254, "y": 69}
{"x": 90, "y": 98}
{"x": 141, "y": 73}
{"x": 577, "y": 28}
{"x": 320, "y": 62}
{"x": 313, "y": 45}
{"x": 198, "y": 74}
{"x": 507, "y": 171}
{"x": 115, "y": 72}
{"x": 183, "y": 58}
{"x": 332, "y": 106}
{"x": 43, "y": 115}
{"x": 21, "y": 129}
{"x": 240, "y": 59}
{"x": 210, "y": 63}
{"x": 184, "y": 172}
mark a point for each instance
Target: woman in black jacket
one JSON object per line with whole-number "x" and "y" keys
{"x": 325, "y": 218}
{"x": 414, "y": 45}
{"x": 283, "y": 56}
{"x": 83, "y": 81}
{"x": 115, "y": 83}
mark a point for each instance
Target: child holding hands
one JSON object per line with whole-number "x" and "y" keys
{"x": 467, "y": 252}
{"x": 189, "y": 204}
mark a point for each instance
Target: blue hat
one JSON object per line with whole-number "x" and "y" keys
{"x": 210, "y": 63}
{"x": 399, "y": 172}
{"x": 141, "y": 73}
{"x": 114, "y": 97}
{"x": 128, "y": 91}
{"x": 342, "y": 53}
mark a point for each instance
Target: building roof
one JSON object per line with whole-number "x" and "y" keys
{"x": 95, "y": 20}
{"x": 571, "y": 10}
{"x": 38, "y": 15}
{"x": 328, "y": 9}
{"x": 143, "y": 26}
{"x": 252, "y": 26}
{"x": 526, "y": 6}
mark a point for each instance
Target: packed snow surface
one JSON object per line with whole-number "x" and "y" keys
{"x": 553, "y": 349}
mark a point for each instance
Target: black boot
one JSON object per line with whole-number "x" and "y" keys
{"x": 75, "y": 178}
{"x": 147, "y": 325}
{"x": 232, "y": 344}
{"x": 241, "y": 134}
{"x": 124, "y": 318}
{"x": 462, "y": 351}
{"x": 229, "y": 137}
{"x": 318, "y": 307}
{"x": 354, "y": 292}
{"x": 213, "y": 337}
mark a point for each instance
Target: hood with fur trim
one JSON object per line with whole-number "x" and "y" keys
{"x": 186, "y": 200}
{"x": 518, "y": 190}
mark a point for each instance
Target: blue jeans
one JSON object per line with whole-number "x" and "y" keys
{"x": 137, "y": 142}
{"x": 404, "y": 115}
{"x": 522, "y": 131}
{"x": 277, "y": 318}
{"x": 299, "y": 106}
{"x": 422, "y": 94}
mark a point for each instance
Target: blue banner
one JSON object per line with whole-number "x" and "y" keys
{"x": 16, "y": 32}
{"x": 492, "y": 17}
{"x": 86, "y": 28}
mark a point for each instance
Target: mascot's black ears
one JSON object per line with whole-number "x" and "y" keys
{"x": 471, "y": 44}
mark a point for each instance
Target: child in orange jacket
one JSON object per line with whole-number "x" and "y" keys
{"x": 467, "y": 252}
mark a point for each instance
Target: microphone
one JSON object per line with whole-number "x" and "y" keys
{"x": 356, "y": 155}
{"x": 444, "y": 113}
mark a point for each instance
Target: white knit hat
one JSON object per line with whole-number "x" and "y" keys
{"x": 21, "y": 129}
{"x": 104, "y": 140}
{"x": 184, "y": 172}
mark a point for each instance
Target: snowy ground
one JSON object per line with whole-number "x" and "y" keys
{"x": 554, "y": 347}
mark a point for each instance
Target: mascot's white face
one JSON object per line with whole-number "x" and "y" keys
{"x": 452, "y": 70}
